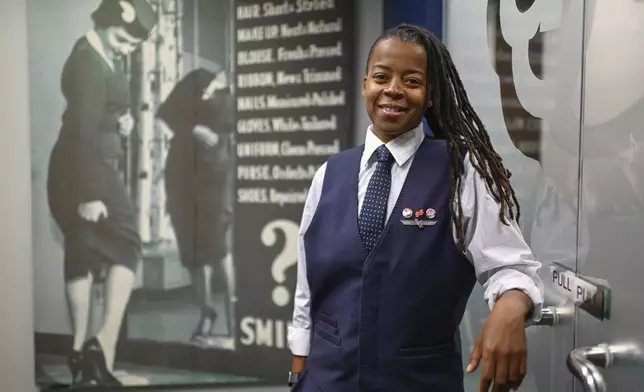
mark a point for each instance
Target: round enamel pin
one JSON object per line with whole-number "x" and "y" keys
{"x": 407, "y": 213}
{"x": 430, "y": 213}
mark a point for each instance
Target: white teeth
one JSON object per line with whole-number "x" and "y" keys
{"x": 392, "y": 110}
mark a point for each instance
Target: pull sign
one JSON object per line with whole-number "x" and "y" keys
{"x": 592, "y": 297}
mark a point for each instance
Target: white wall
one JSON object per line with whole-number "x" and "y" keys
{"x": 16, "y": 279}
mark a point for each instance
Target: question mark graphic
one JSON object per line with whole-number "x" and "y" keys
{"x": 285, "y": 259}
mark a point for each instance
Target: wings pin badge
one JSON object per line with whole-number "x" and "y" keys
{"x": 420, "y": 218}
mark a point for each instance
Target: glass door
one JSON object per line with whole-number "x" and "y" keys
{"x": 612, "y": 203}
{"x": 521, "y": 63}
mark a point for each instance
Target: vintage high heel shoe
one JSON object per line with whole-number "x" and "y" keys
{"x": 94, "y": 368}
{"x": 205, "y": 326}
{"x": 74, "y": 364}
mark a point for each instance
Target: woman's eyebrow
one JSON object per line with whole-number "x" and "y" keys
{"x": 407, "y": 71}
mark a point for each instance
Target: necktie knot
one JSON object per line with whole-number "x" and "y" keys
{"x": 384, "y": 155}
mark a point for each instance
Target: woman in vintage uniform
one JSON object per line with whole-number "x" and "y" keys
{"x": 199, "y": 111}
{"x": 87, "y": 197}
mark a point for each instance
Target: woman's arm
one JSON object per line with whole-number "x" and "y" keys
{"x": 86, "y": 94}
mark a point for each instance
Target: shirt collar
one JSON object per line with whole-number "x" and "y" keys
{"x": 96, "y": 43}
{"x": 402, "y": 148}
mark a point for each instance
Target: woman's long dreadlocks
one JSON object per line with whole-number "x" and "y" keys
{"x": 452, "y": 117}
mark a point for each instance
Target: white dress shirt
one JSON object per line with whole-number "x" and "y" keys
{"x": 501, "y": 258}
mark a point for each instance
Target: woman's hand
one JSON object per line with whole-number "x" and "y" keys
{"x": 220, "y": 82}
{"x": 205, "y": 136}
{"x": 502, "y": 347}
{"x": 126, "y": 124}
{"x": 93, "y": 211}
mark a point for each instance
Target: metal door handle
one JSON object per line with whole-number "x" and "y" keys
{"x": 549, "y": 317}
{"x": 584, "y": 362}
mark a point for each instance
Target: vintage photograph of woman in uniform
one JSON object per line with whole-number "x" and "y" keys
{"x": 200, "y": 113}
{"x": 132, "y": 153}
{"x": 87, "y": 196}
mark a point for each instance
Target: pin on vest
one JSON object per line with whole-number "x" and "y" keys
{"x": 412, "y": 218}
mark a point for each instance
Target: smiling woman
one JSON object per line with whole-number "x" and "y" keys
{"x": 394, "y": 91}
{"x": 457, "y": 203}
{"x": 412, "y": 75}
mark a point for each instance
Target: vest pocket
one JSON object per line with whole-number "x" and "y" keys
{"x": 323, "y": 333}
{"x": 423, "y": 352}
{"x": 329, "y": 322}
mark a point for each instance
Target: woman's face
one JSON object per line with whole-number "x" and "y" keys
{"x": 395, "y": 88}
{"x": 120, "y": 42}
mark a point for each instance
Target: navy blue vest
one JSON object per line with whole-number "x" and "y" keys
{"x": 388, "y": 320}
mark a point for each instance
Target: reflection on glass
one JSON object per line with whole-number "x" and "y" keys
{"x": 519, "y": 74}
{"x": 568, "y": 74}
{"x": 613, "y": 175}
{"x": 523, "y": 127}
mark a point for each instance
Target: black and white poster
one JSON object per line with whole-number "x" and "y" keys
{"x": 294, "y": 92}
{"x": 173, "y": 143}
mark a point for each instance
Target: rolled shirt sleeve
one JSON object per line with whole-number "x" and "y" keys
{"x": 501, "y": 257}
